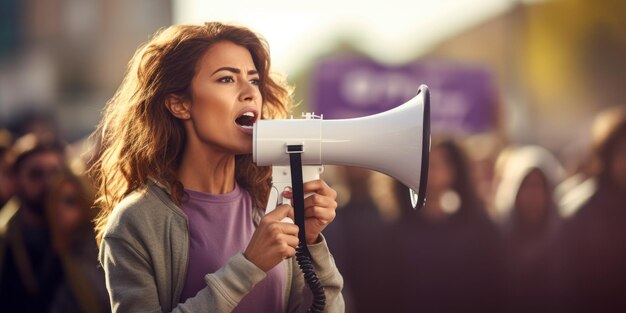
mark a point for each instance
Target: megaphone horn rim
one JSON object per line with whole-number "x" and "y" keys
{"x": 421, "y": 193}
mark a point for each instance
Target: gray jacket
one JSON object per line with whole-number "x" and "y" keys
{"x": 144, "y": 254}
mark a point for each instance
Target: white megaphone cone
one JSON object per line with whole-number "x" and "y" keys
{"x": 395, "y": 142}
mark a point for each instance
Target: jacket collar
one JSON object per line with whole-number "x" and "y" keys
{"x": 160, "y": 185}
{"x": 257, "y": 212}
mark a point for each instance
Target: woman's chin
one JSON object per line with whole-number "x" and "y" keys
{"x": 245, "y": 150}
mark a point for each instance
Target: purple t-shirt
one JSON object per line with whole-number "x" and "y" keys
{"x": 220, "y": 226}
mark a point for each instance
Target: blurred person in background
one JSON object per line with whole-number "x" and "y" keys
{"x": 592, "y": 247}
{"x": 527, "y": 212}
{"x": 363, "y": 249}
{"x": 30, "y": 271}
{"x": 451, "y": 247}
{"x": 6, "y": 160}
{"x": 69, "y": 214}
{"x": 483, "y": 151}
{"x": 181, "y": 226}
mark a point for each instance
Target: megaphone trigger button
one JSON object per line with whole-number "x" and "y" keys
{"x": 287, "y": 193}
{"x": 287, "y": 220}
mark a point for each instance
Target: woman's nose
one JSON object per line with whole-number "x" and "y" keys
{"x": 249, "y": 92}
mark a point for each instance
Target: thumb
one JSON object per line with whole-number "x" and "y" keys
{"x": 282, "y": 211}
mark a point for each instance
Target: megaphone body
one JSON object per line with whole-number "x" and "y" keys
{"x": 395, "y": 142}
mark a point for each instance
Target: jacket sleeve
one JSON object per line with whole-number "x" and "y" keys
{"x": 131, "y": 283}
{"x": 300, "y": 297}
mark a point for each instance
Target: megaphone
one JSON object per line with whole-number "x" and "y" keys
{"x": 395, "y": 142}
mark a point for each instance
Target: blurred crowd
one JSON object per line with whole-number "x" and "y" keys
{"x": 512, "y": 231}
{"x": 515, "y": 231}
{"x": 48, "y": 252}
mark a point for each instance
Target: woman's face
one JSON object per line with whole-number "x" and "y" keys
{"x": 225, "y": 99}
{"x": 69, "y": 213}
{"x": 35, "y": 175}
{"x": 533, "y": 198}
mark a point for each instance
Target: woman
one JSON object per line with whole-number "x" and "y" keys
{"x": 527, "y": 212}
{"x": 181, "y": 227}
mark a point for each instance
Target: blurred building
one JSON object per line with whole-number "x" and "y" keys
{"x": 557, "y": 64}
{"x": 65, "y": 58}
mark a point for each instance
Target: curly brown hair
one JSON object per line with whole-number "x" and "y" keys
{"x": 139, "y": 138}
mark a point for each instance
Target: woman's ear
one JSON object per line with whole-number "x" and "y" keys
{"x": 178, "y": 106}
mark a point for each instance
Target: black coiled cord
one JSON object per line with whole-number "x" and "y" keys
{"x": 303, "y": 256}
{"x": 306, "y": 265}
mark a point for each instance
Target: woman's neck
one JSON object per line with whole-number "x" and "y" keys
{"x": 207, "y": 171}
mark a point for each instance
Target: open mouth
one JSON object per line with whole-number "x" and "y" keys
{"x": 246, "y": 120}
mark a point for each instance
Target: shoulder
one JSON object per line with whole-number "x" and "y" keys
{"x": 143, "y": 212}
{"x": 577, "y": 198}
{"x": 7, "y": 215}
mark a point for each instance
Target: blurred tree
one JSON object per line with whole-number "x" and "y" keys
{"x": 576, "y": 48}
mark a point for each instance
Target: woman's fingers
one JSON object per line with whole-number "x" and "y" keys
{"x": 320, "y": 187}
{"x": 315, "y": 186}
{"x": 325, "y": 215}
{"x": 317, "y": 200}
{"x": 288, "y": 228}
{"x": 292, "y": 241}
{"x": 319, "y": 208}
{"x": 279, "y": 213}
{"x": 273, "y": 240}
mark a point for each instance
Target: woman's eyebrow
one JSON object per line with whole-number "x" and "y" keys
{"x": 234, "y": 70}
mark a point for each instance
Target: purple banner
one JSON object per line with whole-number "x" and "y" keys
{"x": 463, "y": 99}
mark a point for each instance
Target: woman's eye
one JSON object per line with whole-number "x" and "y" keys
{"x": 226, "y": 79}
{"x": 255, "y": 81}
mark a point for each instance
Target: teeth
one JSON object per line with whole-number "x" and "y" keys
{"x": 250, "y": 114}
